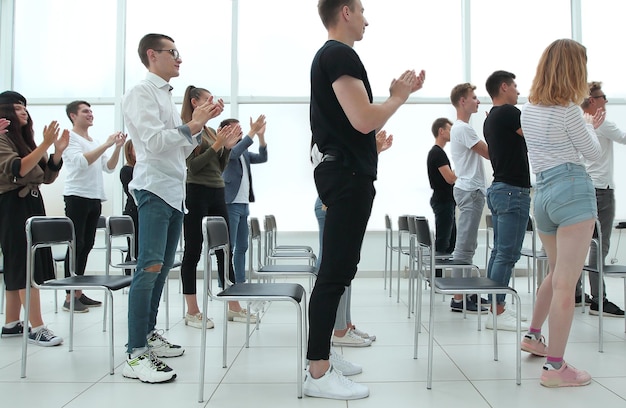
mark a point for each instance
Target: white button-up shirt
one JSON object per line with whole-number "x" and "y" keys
{"x": 601, "y": 170}
{"x": 161, "y": 141}
{"x": 84, "y": 180}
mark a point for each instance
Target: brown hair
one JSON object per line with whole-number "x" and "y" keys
{"x": 329, "y": 9}
{"x": 150, "y": 42}
{"x": 561, "y": 76}
{"x": 460, "y": 91}
{"x": 129, "y": 154}
{"x": 440, "y": 123}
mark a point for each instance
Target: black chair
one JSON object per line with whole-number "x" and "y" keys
{"x": 614, "y": 271}
{"x": 260, "y": 270}
{"x": 534, "y": 256}
{"x": 403, "y": 231}
{"x": 389, "y": 250}
{"x": 464, "y": 285}
{"x": 44, "y": 232}
{"x": 215, "y": 233}
{"x": 274, "y": 252}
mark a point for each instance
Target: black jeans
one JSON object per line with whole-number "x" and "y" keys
{"x": 84, "y": 213}
{"x": 349, "y": 199}
{"x": 445, "y": 225}
{"x": 201, "y": 201}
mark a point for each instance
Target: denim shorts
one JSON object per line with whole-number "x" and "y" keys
{"x": 565, "y": 196}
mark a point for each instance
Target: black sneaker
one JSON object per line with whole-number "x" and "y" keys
{"x": 483, "y": 301}
{"x": 578, "y": 302}
{"x": 608, "y": 309}
{"x": 79, "y": 307}
{"x": 470, "y": 306}
{"x": 44, "y": 337}
{"x": 89, "y": 302}
{"x": 16, "y": 330}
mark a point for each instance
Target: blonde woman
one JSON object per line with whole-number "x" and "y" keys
{"x": 557, "y": 135}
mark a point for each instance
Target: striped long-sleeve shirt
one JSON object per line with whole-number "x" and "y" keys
{"x": 556, "y": 135}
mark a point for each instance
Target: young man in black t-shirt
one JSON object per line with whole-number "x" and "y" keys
{"x": 508, "y": 198}
{"x": 442, "y": 178}
{"x": 344, "y": 122}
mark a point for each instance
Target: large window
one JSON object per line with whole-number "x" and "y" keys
{"x": 65, "y": 49}
{"x": 68, "y": 49}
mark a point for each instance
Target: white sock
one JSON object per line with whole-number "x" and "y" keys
{"x": 12, "y": 324}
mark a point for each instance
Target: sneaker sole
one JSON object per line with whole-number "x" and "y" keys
{"x": 168, "y": 355}
{"x": 45, "y": 343}
{"x": 469, "y": 311}
{"x": 67, "y": 309}
{"x": 316, "y": 394}
{"x": 136, "y": 377}
{"x": 198, "y": 325}
{"x": 364, "y": 344}
{"x": 533, "y": 352}
{"x": 549, "y": 384}
{"x": 597, "y": 313}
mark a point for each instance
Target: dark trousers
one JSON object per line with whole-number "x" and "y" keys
{"x": 445, "y": 225}
{"x": 84, "y": 213}
{"x": 201, "y": 201}
{"x": 349, "y": 199}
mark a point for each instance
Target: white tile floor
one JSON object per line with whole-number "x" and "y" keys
{"x": 264, "y": 375}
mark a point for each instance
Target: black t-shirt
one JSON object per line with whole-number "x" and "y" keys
{"x": 442, "y": 190}
{"x": 330, "y": 127}
{"x": 507, "y": 149}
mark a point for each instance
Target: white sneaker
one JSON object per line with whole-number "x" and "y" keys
{"x": 196, "y": 321}
{"x": 148, "y": 368}
{"x": 240, "y": 316}
{"x": 351, "y": 339}
{"x": 334, "y": 385}
{"x": 163, "y": 348}
{"x": 506, "y": 321}
{"x": 360, "y": 333}
{"x": 347, "y": 368}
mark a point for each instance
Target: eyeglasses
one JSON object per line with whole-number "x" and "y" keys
{"x": 173, "y": 52}
{"x": 598, "y": 96}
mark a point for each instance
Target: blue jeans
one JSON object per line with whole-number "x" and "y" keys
{"x": 238, "y": 231}
{"x": 160, "y": 227}
{"x": 510, "y": 206}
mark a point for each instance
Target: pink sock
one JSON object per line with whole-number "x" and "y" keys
{"x": 534, "y": 331}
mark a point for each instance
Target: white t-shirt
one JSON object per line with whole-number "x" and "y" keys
{"x": 601, "y": 171}
{"x": 82, "y": 179}
{"x": 243, "y": 195}
{"x": 468, "y": 165}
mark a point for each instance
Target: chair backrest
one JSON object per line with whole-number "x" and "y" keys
{"x": 255, "y": 240}
{"x": 45, "y": 232}
{"x": 424, "y": 235}
{"x": 119, "y": 226}
{"x": 215, "y": 233}
{"x": 102, "y": 222}
{"x": 403, "y": 223}
{"x": 489, "y": 220}
{"x": 215, "y": 237}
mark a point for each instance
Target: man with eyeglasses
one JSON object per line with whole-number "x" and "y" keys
{"x": 601, "y": 173}
{"x": 162, "y": 143}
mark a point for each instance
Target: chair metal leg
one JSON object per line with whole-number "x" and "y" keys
{"x": 109, "y": 295}
{"x": 166, "y": 299}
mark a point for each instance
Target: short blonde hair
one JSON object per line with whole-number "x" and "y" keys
{"x": 561, "y": 75}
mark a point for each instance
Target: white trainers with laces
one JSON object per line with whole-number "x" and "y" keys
{"x": 196, "y": 321}
{"x": 334, "y": 385}
{"x": 351, "y": 339}
{"x": 360, "y": 333}
{"x": 163, "y": 348}
{"x": 347, "y": 368}
{"x": 506, "y": 321}
{"x": 148, "y": 368}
